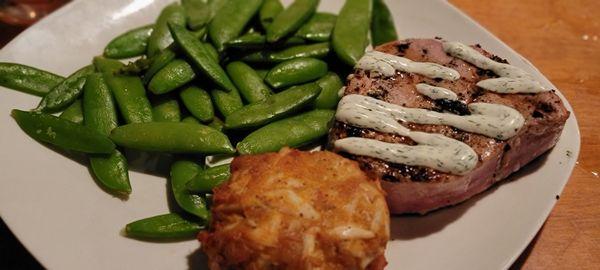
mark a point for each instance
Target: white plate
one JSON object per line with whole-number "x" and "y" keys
{"x": 57, "y": 211}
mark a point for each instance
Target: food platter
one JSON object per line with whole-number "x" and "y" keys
{"x": 58, "y": 213}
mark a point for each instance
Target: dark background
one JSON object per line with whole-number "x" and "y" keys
{"x": 12, "y": 254}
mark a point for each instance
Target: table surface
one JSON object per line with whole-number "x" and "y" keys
{"x": 562, "y": 39}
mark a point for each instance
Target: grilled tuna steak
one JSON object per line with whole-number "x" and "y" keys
{"x": 415, "y": 189}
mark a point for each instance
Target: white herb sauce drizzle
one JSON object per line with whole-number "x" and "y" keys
{"x": 433, "y": 150}
{"x": 512, "y": 79}
{"x": 492, "y": 120}
{"x": 387, "y": 64}
{"x": 435, "y": 92}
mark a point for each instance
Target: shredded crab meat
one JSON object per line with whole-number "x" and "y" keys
{"x": 351, "y": 231}
{"x": 303, "y": 208}
{"x": 308, "y": 244}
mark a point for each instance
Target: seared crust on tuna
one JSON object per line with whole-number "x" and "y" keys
{"x": 415, "y": 189}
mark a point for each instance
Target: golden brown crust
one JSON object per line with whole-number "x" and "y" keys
{"x": 297, "y": 210}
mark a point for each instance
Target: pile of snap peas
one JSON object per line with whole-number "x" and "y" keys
{"x": 209, "y": 77}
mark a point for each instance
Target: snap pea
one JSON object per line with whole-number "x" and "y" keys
{"x": 215, "y": 6}
{"x": 161, "y": 37}
{"x": 129, "y": 44}
{"x": 172, "y": 138}
{"x": 292, "y": 132}
{"x": 197, "y": 13}
{"x": 65, "y": 92}
{"x": 182, "y": 172}
{"x": 166, "y": 111}
{"x": 291, "y": 19}
{"x": 208, "y": 179}
{"x": 231, "y": 20}
{"x": 27, "y": 79}
{"x": 273, "y": 108}
{"x": 330, "y": 86}
{"x": 99, "y": 110}
{"x": 296, "y": 71}
{"x": 317, "y": 50}
{"x": 62, "y": 133}
{"x": 107, "y": 65}
{"x": 131, "y": 98}
{"x": 111, "y": 171}
{"x": 318, "y": 28}
{"x": 216, "y": 123}
{"x": 198, "y": 22}
{"x": 249, "y": 83}
{"x": 191, "y": 120}
{"x": 351, "y": 32}
{"x": 247, "y": 41}
{"x": 157, "y": 63}
{"x": 172, "y": 76}
{"x": 382, "y": 26}
{"x": 167, "y": 226}
{"x": 73, "y": 113}
{"x": 211, "y": 51}
{"x": 268, "y": 11}
{"x": 257, "y": 41}
{"x": 100, "y": 115}
{"x": 198, "y": 102}
{"x": 226, "y": 102}
{"x": 201, "y": 57}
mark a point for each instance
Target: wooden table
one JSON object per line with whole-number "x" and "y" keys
{"x": 561, "y": 38}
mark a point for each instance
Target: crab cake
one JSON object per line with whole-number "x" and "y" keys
{"x": 297, "y": 210}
